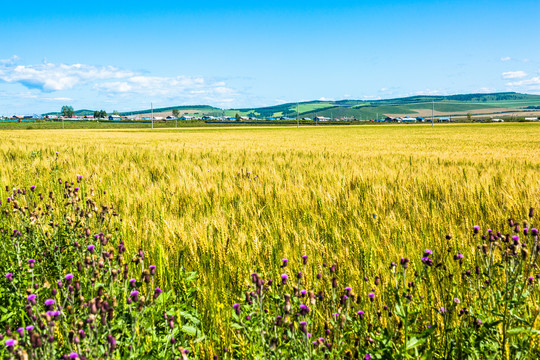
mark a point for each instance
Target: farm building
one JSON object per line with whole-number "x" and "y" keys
{"x": 322, "y": 118}
{"x": 408, "y": 119}
{"x": 170, "y": 117}
{"x": 115, "y": 117}
{"x": 443, "y": 120}
{"x": 131, "y": 117}
{"x": 186, "y": 118}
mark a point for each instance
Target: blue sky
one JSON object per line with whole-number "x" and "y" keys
{"x": 120, "y": 55}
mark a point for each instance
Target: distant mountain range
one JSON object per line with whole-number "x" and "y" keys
{"x": 421, "y": 105}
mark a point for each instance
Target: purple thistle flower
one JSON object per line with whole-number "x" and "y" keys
{"x": 32, "y": 299}
{"x": 32, "y": 188}
{"x": 367, "y": 357}
{"x": 284, "y": 278}
{"x": 9, "y": 277}
{"x": 49, "y": 302}
{"x": 360, "y": 314}
{"x": 11, "y": 342}
{"x": 157, "y": 292}
{"x": 442, "y": 310}
{"x": 134, "y": 295}
{"x": 459, "y": 256}
{"x": 91, "y": 248}
{"x": 456, "y": 300}
{"x": 304, "y": 259}
{"x": 31, "y": 263}
{"x": 428, "y": 252}
{"x": 285, "y": 261}
{"x": 534, "y": 232}
{"x": 427, "y": 261}
{"x": 152, "y": 269}
{"x": 132, "y": 282}
{"x": 73, "y": 355}
{"x": 476, "y": 229}
{"x": 371, "y": 296}
{"x": 29, "y": 328}
{"x": 20, "y": 331}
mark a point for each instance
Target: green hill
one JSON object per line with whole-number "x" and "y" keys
{"x": 367, "y": 109}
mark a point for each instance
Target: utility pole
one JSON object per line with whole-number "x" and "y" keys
{"x": 152, "y": 112}
{"x": 432, "y": 111}
{"x": 297, "y": 117}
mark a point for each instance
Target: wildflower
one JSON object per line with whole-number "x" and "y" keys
{"x": 458, "y": 256}
{"x": 404, "y": 262}
{"x": 9, "y": 276}
{"x": 304, "y": 309}
{"x": 152, "y": 269}
{"x": 476, "y": 229}
{"x": 20, "y": 331}
{"x": 427, "y": 252}
{"x": 236, "y": 308}
{"x": 132, "y": 282}
{"x": 534, "y": 232}
{"x": 68, "y": 277}
{"x": 367, "y": 357}
{"x": 442, "y": 310}
{"x": 319, "y": 276}
{"x": 530, "y": 280}
{"x": 157, "y": 292}
{"x": 456, "y": 300}
{"x": 360, "y": 314}
{"x": 304, "y": 259}
{"x": 49, "y": 302}
{"x": 348, "y": 290}
{"x": 32, "y": 299}
{"x": 248, "y": 317}
{"x": 31, "y": 263}
{"x": 79, "y": 178}
{"x": 285, "y": 261}
{"x": 134, "y": 295}
{"x": 91, "y": 248}
{"x": 427, "y": 261}
{"x": 371, "y": 296}
{"x": 303, "y": 292}
{"x": 284, "y": 278}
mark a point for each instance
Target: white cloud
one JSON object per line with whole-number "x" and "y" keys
{"x": 112, "y": 82}
{"x": 506, "y": 58}
{"x": 530, "y": 84}
{"x": 56, "y": 77}
{"x": 322, "y": 98}
{"x": 514, "y": 74}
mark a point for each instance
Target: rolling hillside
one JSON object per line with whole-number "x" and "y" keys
{"x": 452, "y": 105}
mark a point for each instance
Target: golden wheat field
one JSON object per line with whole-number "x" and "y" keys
{"x": 227, "y": 202}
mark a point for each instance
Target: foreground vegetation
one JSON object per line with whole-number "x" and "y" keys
{"x": 229, "y": 203}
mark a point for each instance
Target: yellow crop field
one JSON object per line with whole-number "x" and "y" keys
{"x": 229, "y": 202}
